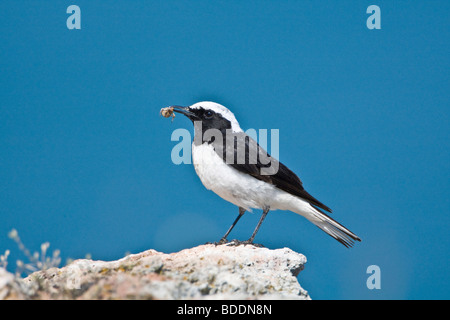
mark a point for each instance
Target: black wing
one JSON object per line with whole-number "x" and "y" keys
{"x": 258, "y": 161}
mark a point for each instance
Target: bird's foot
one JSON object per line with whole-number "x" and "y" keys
{"x": 218, "y": 243}
{"x": 236, "y": 243}
{"x": 222, "y": 241}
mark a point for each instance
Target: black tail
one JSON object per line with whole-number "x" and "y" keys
{"x": 334, "y": 228}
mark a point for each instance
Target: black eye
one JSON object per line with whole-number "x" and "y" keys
{"x": 208, "y": 114}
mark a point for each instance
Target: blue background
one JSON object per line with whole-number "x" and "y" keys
{"x": 363, "y": 116}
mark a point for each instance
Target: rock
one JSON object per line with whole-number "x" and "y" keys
{"x": 203, "y": 272}
{"x": 7, "y": 285}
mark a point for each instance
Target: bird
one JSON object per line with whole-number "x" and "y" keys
{"x": 233, "y": 165}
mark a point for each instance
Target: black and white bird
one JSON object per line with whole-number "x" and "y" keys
{"x": 244, "y": 183}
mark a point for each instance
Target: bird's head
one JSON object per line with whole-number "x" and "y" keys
{"x": 211, "y": 115}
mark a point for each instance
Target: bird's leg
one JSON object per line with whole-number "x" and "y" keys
{"x": 263, "y": 216}
{"x": 224, "y": 238}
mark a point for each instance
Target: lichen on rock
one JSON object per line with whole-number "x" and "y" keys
{"x": 203, "y": 272}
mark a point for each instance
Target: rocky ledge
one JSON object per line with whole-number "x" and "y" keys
{"x": 203, "y": 272}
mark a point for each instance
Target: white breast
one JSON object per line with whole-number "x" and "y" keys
{"x": 236, "y": 187}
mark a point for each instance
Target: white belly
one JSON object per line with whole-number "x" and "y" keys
{"x": 239, "y": 188}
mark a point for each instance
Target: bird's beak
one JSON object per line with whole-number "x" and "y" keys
{"x": 186, "y": 111}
